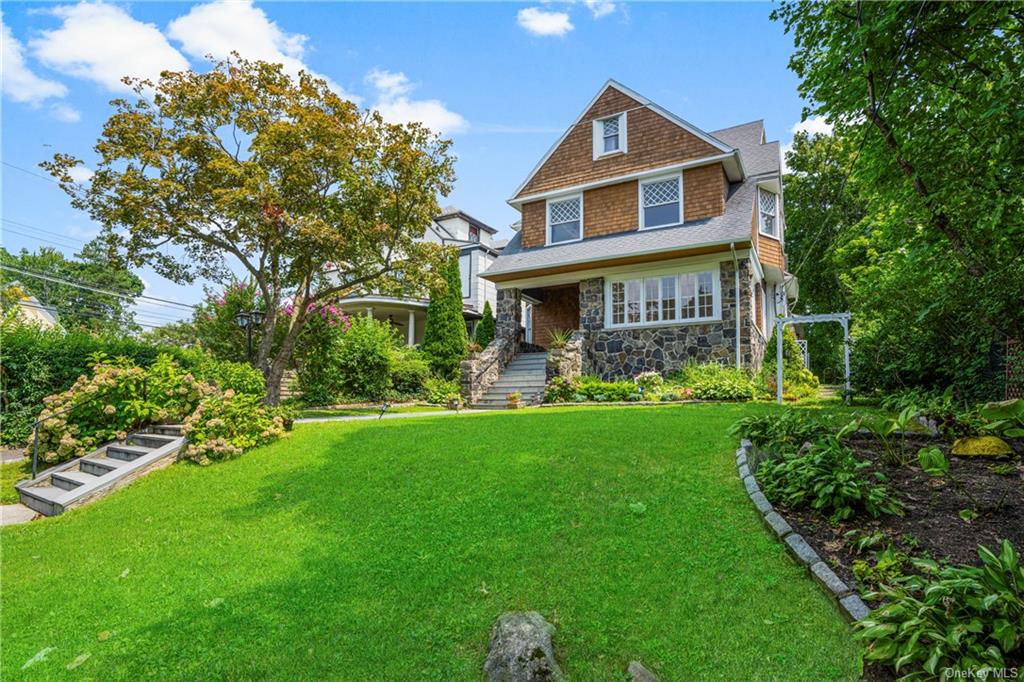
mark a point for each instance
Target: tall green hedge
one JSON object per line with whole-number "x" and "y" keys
{"x": 35, "y": 363}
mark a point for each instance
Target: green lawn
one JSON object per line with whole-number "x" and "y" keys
{"x": 365, "y": 411}
{"x": 11, "y": 473}
{"x": 385, "y": 550}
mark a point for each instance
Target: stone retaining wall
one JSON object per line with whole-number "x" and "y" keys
{"x": 482, "y": 369}
{"x": 568, "y": 361}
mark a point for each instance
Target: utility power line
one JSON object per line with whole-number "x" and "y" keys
{"x": 87, "y": 287}
{"x": 39, "y": 229}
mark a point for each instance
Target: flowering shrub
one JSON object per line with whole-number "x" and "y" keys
{"x": 227, "y": 424}
{"x": 117, "y": 398}
{"x": 560, "y": 390}
{"x": 649, "y": 381}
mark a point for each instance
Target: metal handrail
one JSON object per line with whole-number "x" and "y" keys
{"x": 36, "y": 424}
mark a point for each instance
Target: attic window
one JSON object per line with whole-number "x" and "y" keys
{"x": 610, "y": 135}
{"x": 474, "y": 233}
{"x": 768, "y": 208}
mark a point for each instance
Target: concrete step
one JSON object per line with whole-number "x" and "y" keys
{"x": 69, "y": 480}
{"x": 101, "y": 466}
{"x": 523, "y": 374}
{"x": 127, "y": 452}
{"x": 45, "y": 499}
{"x": 149, "y": 440}
{"x": 167, "y": 430}
{"x": 527, "y": 363}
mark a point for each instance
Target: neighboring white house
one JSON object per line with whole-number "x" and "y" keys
{"x": 30, "y": 310}
{"x": 477, "y": 251}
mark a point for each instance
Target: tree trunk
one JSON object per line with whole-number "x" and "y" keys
{"x": 274, "y": 371}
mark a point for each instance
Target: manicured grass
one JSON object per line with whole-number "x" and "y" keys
{"x": 386, "y": 550}
{"x": 365, "y": 411}
{"x": 11, "y": 473}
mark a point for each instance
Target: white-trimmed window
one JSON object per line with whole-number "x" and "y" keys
{"x": 667, "y": 298}
{"x": 565, "y": 219}
{"x": 768, "y": 210}
{"x": 610, "y": 135}
{"x": 661, "y": 202}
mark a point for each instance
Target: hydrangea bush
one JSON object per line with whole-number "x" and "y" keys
{"x": 227, "y": 424}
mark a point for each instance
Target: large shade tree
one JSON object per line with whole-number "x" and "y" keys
{"x": 244, "y": 167}
{"x": 925, "y": 102}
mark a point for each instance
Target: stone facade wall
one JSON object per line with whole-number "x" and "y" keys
{"x": 481, "y": 370}
{"x": 568, "y": 361}
{"x": 508, "y": 314}
{"x": 619, "y": 353}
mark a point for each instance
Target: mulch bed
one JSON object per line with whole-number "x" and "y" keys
{"x": 931, "y": 525}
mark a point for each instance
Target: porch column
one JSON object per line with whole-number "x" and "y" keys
{"x": 411, "y": 334}
{"x": 508, "y": 314}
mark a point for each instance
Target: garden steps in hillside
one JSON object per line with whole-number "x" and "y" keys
{"x": 527, "y": 374}
{"x": 102, "y": 471}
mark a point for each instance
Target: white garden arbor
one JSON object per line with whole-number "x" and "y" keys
{"x": 780, "y": 324}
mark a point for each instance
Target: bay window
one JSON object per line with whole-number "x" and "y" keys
{"x": 664, "y": 298}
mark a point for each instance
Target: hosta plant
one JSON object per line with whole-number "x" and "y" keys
{"x": 780, "y": 432}
{"x": 954, "y": 622}
{"x": 829, "y": 478}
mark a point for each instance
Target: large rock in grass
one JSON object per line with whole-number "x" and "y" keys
{"x": 981, "y": 446}
{"x": 521, "y": 650}
{"x": 638, "y": 673}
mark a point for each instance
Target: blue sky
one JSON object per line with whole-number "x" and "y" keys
{"x": 502, "y": 79}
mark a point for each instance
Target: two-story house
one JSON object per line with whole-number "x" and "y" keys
{"x": 656, "y": 240}
{"x": 477, "y": 251}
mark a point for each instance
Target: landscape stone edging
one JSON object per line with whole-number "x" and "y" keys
{"x": 620, "y": 403}
{"x": 849, "y": 602}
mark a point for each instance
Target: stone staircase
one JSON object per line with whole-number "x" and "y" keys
{"x": 527, "y": 373}
{"x": 102, "y": 471}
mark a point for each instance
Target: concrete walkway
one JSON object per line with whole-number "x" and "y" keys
{"x": 387, "y": 415}
{"x": 11, "y": 514}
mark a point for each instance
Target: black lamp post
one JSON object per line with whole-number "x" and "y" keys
{"x": 248, "y": 320}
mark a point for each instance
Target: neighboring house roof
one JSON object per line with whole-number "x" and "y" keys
{"x": 732, "y": 226}
{"x": 30, "y": 310}
{"x": 452, "y": 211}
{"x": 612, "y": 83}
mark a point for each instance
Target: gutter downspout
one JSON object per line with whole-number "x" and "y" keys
{"x": 736, "y": 273}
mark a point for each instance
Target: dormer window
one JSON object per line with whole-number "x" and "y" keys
{"x": 610, "y": 135}
{"x": 768, "y": 207}
{"x": 474, "y": 234}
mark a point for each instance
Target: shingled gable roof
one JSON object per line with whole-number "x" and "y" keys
{"x": 665, "y": 113}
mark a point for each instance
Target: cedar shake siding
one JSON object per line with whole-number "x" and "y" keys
{"x": 610, "y": 209}
{"x": 652, "y": 141}
{"x": 704, "y": 192}
{"x": 616, "y": 208}
{"x": 769, "y": 249}
{"x": 559, "y": 310}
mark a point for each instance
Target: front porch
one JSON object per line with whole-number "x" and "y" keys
{"x": 407, "y": 317}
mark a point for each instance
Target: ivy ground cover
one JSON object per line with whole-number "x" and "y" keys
{"x": 386, "y": 550}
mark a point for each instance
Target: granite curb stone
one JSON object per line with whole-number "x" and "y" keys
{"x": 850, "y": 604}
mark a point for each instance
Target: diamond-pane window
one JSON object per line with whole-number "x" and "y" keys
{"x": 661, "y": 204}
{"x": 768, "y": 204}
{"x": 564, "y": 219}
{"x": 610, "y": 134}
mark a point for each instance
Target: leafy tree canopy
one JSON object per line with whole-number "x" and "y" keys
{"x": 77, "y": 307}
{"x": 245, "y": 166}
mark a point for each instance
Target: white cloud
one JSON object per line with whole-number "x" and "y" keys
{"x": 600, "y": 8}
{"x": 815, "y": 125}
{"x": 219, "y": 28}
{"x": 65, "y": 113}
{"x": 541, "y": 22}
{"x": 81, "y": 174}
{"x": 103, "y": 43}
{"x": 19, "y": 83}
{"x": 393, "y": 104}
